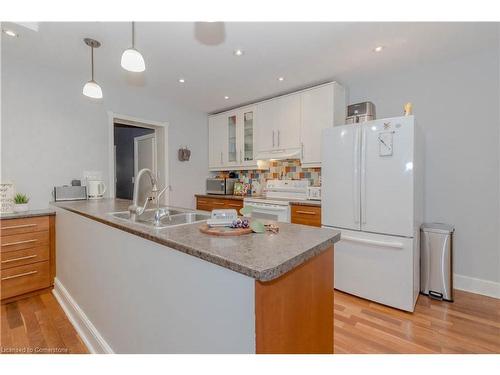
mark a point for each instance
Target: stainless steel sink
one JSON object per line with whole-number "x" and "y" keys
{"x": 174, "y": 218}
{"x": 184, "y": 218}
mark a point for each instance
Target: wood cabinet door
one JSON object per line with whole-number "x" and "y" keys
{"x": 317, "y": 114}
{"x": 306, "y": 215}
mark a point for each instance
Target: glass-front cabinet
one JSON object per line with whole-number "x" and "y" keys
{"x": 233, "y": 146}
{"x": 240, "y": 137}
{"x": 232, "y": 149}
{"x": 248, "y": 156}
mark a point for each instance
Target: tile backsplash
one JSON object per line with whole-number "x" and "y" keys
{"x": 282, "y": 170}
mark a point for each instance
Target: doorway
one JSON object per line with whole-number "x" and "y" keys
{"x": 135, "y": 149}
{"x": 145, "y": 145}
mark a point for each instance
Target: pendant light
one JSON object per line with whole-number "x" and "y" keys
{"x": 91, "y": 88}
{"x": 132, "y": 59}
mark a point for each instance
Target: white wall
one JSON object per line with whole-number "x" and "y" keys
{"x": 456, "y": 103}
{"x": 51, "y": 133}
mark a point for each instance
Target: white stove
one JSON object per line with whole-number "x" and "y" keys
{"x": 275, "y": 204}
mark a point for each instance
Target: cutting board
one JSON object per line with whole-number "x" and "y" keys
{"x": 224, "y": 231}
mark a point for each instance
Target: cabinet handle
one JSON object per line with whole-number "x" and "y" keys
{"x": 241, "y": 157}
{"x": 17, "y": 243}
{"x": 306, "y": 212}
{"x": 234, "y": 205}
{"x": 218, "y": 203}
{"x": 221, "y": 157}
{"x": 20, "y": 226}
{"x": 21, "y": 258}
{"x": 278, "y": 138}
{"x": 200, "y": 201}
{"x": 302, "y": 151}
{"x": 19, "y": 275}
{"x": 273, "y": 138}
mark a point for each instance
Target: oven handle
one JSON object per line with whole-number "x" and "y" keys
{"x": 262, "y": 208}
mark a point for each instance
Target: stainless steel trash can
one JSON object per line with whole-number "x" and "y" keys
{"x": 436, "y": 249}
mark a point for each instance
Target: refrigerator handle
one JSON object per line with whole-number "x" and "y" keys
{"x": 393, "y": 245}
{"x": 363, "y": 176}
{"x": 355, "y": 176}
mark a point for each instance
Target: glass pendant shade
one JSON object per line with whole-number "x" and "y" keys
{"x": 133, "y": 61}
{"x": 92, "y": 90}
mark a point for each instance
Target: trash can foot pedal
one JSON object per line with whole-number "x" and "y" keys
{"x": 436, "y": 295}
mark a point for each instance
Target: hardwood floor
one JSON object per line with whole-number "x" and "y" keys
{"x": 37, "y": 325}
{"x": 471, "y": 324}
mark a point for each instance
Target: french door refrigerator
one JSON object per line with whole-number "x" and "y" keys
{"x": 372, "y": 192}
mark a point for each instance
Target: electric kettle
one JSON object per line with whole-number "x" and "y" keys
{"x": 96, "y": 189}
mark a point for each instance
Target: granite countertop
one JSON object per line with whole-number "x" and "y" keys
{"x": 26, "y": 214}
{"x": 263, "y": 257}
{"x": 306, "y": 203}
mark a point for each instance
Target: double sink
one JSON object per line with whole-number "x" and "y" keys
{"x": 173, "y": 218}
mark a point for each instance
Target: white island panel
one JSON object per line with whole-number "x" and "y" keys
{"x": 142, "y": 297}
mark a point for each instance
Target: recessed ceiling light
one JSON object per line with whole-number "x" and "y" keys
{"x": 226, "y": 97}
{"x": 238, "y": 52}
{"x": 182, "y": 80}
{"x": 378, "y": 49}
{"x": 281, "y": 79}
{"x": 9, "y": 32}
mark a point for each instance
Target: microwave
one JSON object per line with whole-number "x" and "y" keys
{"x": 220, "y": 186}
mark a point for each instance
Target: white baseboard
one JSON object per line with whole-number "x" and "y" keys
{"x": 87, "y": 331}
{"x": 479, "y": 286}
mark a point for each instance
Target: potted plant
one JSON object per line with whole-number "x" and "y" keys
{"x": 21, "y": 203}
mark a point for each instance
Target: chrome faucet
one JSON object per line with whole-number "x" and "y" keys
{"x": 160, "y": 213}
{"x": 134, "y": 209}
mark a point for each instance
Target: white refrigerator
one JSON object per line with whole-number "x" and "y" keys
{"x": 372, "y": 192}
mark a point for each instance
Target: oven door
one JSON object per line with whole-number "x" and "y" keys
{"x": 269, "y": 211}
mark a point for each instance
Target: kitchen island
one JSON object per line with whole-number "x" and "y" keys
{"x": 130, "y": 288}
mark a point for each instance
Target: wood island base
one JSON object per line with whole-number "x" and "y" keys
{"x": 294, "y": 313}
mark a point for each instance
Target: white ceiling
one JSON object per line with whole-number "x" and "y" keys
{"x": 304, "y": 53}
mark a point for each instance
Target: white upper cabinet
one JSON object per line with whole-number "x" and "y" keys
{"x": 266, "y": 126}
{"x": 288, "y": 126}
{"x": 231, "y": 139}
{"x": 217, "y": 135}
{"x": 247, "y": 136}
{"x": 278, "y": 127}
{"x": 322, "y": 107}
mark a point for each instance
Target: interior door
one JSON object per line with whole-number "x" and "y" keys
{"x": 144, "y": 157}
{"x": 387, "y": 176}
{"x": 341, "y": 177}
